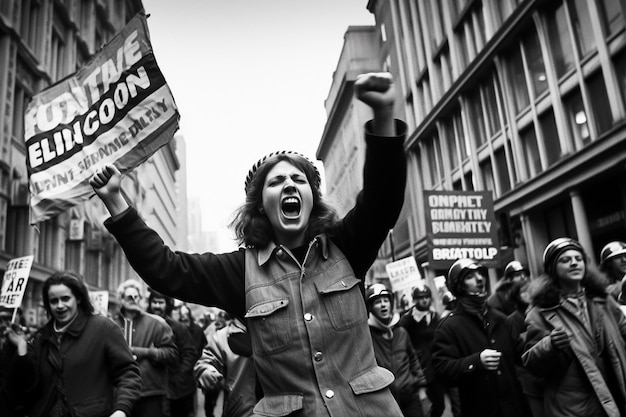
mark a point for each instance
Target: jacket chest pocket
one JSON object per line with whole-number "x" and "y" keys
{"x": 343, "y": 302}
{"x": 270, "y": 325}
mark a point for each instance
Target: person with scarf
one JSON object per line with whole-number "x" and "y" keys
{"x": 393, "y": 351}
{"x": 475, "y": 348}
{"x": 420, "y": 323}
{"x": 78, "y": 364}
{"x": 575, "y": 336}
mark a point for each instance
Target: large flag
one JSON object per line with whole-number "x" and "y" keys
{"x": 117, "y": 109}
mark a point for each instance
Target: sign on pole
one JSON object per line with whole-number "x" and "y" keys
{"x": 404, "y": 277}
{"x": 461, "y": 224}
{"x": 14, "y": 281}
{"x": 117, "y": 109}
{"x": 100, "y": 302}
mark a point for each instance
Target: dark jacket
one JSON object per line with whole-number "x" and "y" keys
{"x": 353, "y": 243}
{"x": 589, "y": 377}
{"x": 152, "y": 340}
{"x": 421, "y": 335}
{"x": 96, "y": 373}
{"x": 180, "y": 372}
{"x": 397, "y": 355}
{"x": 460, "y": 338}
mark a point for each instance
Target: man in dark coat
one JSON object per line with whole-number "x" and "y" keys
{"x": 476, "y": 350}
{"x": 420, "y": 323}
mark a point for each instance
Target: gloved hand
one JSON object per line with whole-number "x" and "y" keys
{"x": 559, "y": 338}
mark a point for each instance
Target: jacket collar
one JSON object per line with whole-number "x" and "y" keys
{"x": 264, "y": 254}
{"x": 75, "y": 329}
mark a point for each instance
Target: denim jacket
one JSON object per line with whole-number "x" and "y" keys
{"x": 308, "y": 323}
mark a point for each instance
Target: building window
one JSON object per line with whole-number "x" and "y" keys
{"x": 581, "y": 22}
{"x": 612, "y": 16}
{"x": 504, "y": 181}
{"x": 433, "y": 160}
{"x": 476, "y": 119}
{"x": 577, "y": 118}
{"x": 448, "y": 128}
{"x": 531, "y": 151}
{"x": 29, "y": 23}
{"x": 57, "y": 53}
{"x": 518, "y": 78}
{"x": 600, "y": 102}
{"x": 469, "y": 180}
{"x": 534, "y": 59}
{"x": 620, "y": 71}
{"x": 491, "y": 107}
{"x": 18, "y": 232}
{"x": 486, "y": 171}
{"x": 550, "y": 137}
{"x": 560, "y": 43}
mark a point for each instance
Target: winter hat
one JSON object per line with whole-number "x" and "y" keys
{"x": 457, "y": 272}
{"x": 555, "y": 249}
{"x": 611, "y": 250}
{"x": 422, "y": 291}
{"x": 251, "y": 173}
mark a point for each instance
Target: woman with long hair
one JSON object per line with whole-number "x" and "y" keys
{"x": 576, "y": 336}
{"x": 78, "y": 364}
{"x": 297, "y": 280}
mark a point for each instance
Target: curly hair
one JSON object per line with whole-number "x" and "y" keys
{"x": 75, "y": 283}
{"x": 253, "y": 228}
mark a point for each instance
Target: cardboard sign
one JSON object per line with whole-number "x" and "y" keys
{"x": 15, "y": 280}
{"x": 404, "y": 277}
{"x": 117, "y": 109}
{"x": 461, "y": 224}
{"x": 100, "y": 302}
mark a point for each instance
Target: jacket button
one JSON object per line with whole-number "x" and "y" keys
{"x": 471, "y": 367}
{"x": 343, "y": 283}
{"x": 330, "y": 393}
{"x": 280, "y": 253}
{"x": 318, "y": 357}
{"x": 308, "y": 316}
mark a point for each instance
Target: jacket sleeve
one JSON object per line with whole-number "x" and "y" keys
{"x": 164, "y": 350}
{"x": 123, "y": 369}
{"x": 449, "y": 366}
{"x": 207, "y": 279}
{"x": 414, "y": 364}
{"x": 212, "y": 356}
{"x": 540, "y": 357}
{"x": 362, "y": 231}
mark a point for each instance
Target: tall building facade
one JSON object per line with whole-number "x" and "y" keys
{"x": 41, "y": 42}
{"x": 525, "y": 99}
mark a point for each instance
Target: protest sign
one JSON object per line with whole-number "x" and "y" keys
{"x": 404, "y": 277}
{"x": 15, "y": 280}
{"x": 460, "y": 224}
{"x": 100, "y": 302}
{"x": 117, "y": 109}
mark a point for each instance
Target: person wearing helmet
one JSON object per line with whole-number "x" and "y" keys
{"x": 297, "y": 279}
{"x": 575, "y": 336}
{"x": 613, "y": 265}
{"x": 474, "y": 348}
{"x": 420, "y": 323}
{"x": 393, "y": 351}
{"x": 506, "y": 296}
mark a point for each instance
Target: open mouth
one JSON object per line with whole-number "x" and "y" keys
{"x": 290, "y": 207}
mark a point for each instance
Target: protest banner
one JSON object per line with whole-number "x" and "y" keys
{"x": 14, "y": 281}
{"x": 404, "y": 276}
{"x": 460, "y": 224}
{"x": 117, "y": 109}
{"x": 100, "y": 302}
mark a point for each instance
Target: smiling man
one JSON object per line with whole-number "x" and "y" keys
{"x": 475, "y": 350}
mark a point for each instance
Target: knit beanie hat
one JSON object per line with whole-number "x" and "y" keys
{"x": 316, "y": 181}
{"x": 555, "y": 249}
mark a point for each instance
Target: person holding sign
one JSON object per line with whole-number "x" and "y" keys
{"x": 298, "y": 281}
{"x": 78, "y": 363}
